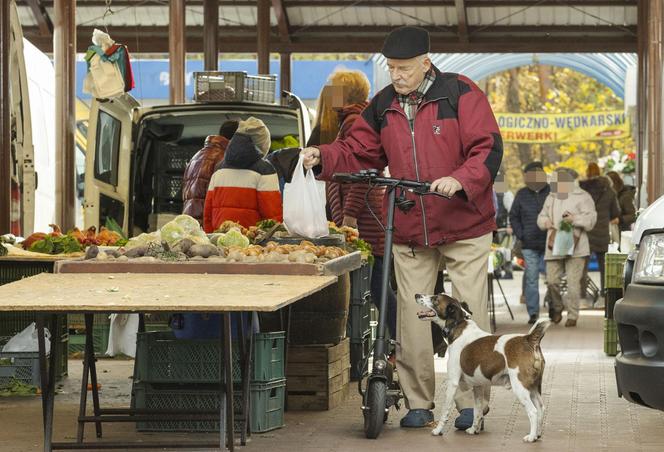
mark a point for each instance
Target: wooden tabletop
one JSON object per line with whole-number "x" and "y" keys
{"x": 127, "y": 292}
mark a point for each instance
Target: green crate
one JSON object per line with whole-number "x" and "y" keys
{"x": 99, "y": 339}
{"x": 24, "y": 366}
{"x": 610, "y": 337}
{"x": 162, "y": 358}
{"x": 266, "y": 400}
{"x": 614, "y": 264}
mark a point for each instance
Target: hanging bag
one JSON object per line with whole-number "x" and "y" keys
{"x": 304, "y": 204}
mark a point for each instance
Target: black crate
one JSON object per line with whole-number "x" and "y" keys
{"x": 168, "y": 206}
{"x": 168, "y": 186}
{"x": 174, "y": 157}
{"x": 359, "y": 351}
{"x": 612, "y": 295}
{"x": 359, "y": 320}
{"x": 360, "y": 283}
{"x": 11, "y": 270}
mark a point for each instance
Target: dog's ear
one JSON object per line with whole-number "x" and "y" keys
{"x": 450, "y": 310}
{"x": 464, "y": 305}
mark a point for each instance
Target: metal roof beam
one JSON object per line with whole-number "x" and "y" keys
{"x": 282, "y": 19}
{"x": 373, "y": 3}
{"x": 462, "y": 19}
{"x": 41, "y": 16}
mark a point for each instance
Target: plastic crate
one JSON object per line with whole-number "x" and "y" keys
{"x": 360, "y": 283}
{"x": 610, "y": 337}
{"x": 168, "y": 186}
{"x": 173, "y": 156}
{"x": 168, "y": 206}
{"x": 100, "y": 335}
{"x": 77, "y": 321}
{"x": 614, "y": 264}
{"x": 268, "y": 357}
{"x": 11, "y": 270}
{"x": 359, "y": 320}
{"x": 359, "y": 351}
{"x": 24, "y": 366}
{"x": 266, "y": 399}
{"x": 215, "y": 86}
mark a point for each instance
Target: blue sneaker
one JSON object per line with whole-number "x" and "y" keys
{"x": 465, "y": 419}
{"x": 417, "y": 418}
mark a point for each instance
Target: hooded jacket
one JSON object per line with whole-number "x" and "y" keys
{"x": 198, "y": 173}
{"x": 348, "y": 199}
{"x": 245, "y": 189}
{"x": 461, "y": 140}
{"x": 606, "y": 205}
{"x": 581, "y": 206}
{"x": 627, "y": 209}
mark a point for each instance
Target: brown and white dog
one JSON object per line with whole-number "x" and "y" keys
{"x": 477, "y": 359}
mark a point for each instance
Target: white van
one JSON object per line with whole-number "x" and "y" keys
{"x": 32, "y": 99}
{"x": 136, "y": 156}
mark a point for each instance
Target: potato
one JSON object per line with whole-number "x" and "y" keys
{"x": 135, "y": 252}
{"x": 203, "y": 251}
{"x": 91, "y": 252}
{"x": 183, "y": 245}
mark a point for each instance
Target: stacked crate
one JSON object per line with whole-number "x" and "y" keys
{"x": 11, "y": 323}
{"x": 100, "y": 333}
{"x": 183, "y": 374}
{"x": 170, "y": 163}
{"x": 318, "y": 376}
{"x": 613, "y": 282}
{"x": 359, "y": 319}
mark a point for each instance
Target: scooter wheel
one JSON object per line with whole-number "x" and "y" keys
{"x": 374, "y": 413}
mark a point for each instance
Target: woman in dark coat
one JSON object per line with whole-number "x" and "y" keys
{"x": 625, "y": 201}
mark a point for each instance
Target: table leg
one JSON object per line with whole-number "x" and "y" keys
{"x": 50, "y": 399}
{"x": 228, "y": 365}
{"x": 246, "y": 370}
{"x": 492, "y": 304}
{"x": 92, "y": 366}
{"x": 505, "y": 298}
{"x": 88, "y": 353}
{"x": 45, "y": 383}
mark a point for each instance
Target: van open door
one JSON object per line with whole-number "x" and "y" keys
{"x": 108, "y": 157}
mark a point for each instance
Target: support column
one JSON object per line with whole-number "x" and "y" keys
{"x": 641, "y": 103}
{"x": 211, "y": 34}
{"x": 177, "y": 51}
{"x": 263, "y": 36}
{"x": 5, "y": 139}
{"x": 654, "y": 99}
{"x": 285, "y": 69}
{"x": 64, "y": 56}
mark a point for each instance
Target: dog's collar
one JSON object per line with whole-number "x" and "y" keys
{"x": 449, "y": 329}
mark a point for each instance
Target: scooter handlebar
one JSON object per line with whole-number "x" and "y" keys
{"x": 372, "y": 177}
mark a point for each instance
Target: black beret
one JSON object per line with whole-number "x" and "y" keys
{"x": 406, "y": 42}
{"x": 533, "y": 166}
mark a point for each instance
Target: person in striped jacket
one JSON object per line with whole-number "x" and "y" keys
{"x": 245, "y": 189}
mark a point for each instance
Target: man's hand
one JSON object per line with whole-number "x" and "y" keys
{"x": 447, "y": 186}
{"x": 349, "y": 221}
{"x": 548, "y": 224}
{"x": 311, "y": 157}
{"x": 568, "y": 217}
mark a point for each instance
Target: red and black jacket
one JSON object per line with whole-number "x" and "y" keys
{"x": 454, "y": 133}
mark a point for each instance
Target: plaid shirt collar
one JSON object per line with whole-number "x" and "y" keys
{"x": 411, "y": 101}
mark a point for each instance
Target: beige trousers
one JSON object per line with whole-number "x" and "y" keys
{"x": 416, "y": 270}
{"x": 573, "y": 268}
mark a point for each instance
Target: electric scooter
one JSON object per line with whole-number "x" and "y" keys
{"x": 382, "y": 390}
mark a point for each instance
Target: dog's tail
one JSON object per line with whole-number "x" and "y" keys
{"x": 536, "y": 333}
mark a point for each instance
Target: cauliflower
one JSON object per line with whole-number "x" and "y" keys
{"x": 172, "y": 233}
{"x": 143, "y": 239}
{"x": 189, "y": 224}
{"x": 233, "y": 238}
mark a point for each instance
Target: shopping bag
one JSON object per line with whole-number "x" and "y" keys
{"x": 304, "y": 204}
{"x": 26, "y": 341}
{"x": 563, "y": 243}
{"x": 122, "y": 335}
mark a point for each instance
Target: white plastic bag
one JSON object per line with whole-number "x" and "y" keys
{"x": 122, "y": 335}
{"x": 304, "y": 204}
{"x": 26, "y": 341}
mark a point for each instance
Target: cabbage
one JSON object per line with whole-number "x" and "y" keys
{"x": 190, "y": 225}
{"x": 233, "y": 238}
{"x": 143, "y": 239}
{"x": 172, "y": 233}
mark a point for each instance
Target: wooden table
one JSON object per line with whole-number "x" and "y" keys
{"x": 88, "y": 293}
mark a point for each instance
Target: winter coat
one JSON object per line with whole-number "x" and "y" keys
{"x": 462, "y": 142}
{"x": 198, "y": 173}
{"x": 580, "y": 204}
{"x": 348, "y": 199}
{"x": 627, "y": 209}
{"x": 244, "y": 190}
{"x": 523, "y": 217}
{"x": 606, "y": 205}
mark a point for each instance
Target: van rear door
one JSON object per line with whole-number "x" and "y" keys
{"x": 108, "y": 159}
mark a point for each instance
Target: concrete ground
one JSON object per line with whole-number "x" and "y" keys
{"x": 583, "y": 411}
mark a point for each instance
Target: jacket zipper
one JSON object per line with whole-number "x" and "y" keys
{"x": 411, "y": 124}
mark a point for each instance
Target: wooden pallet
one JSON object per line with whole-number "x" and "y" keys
{"x": 318, "y": 376}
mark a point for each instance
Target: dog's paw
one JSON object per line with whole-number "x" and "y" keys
{"x": 473, "y": 431}
{"x": 438, "y": 431}
{"x": 529, "y": 438}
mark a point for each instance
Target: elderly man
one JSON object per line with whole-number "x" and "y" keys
{"x": 430, "y": 126}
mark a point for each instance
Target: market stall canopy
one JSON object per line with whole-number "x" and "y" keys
{"x": 359, "y": 26}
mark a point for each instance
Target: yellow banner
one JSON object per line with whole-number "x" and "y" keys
{"x": 562, "y": 128}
